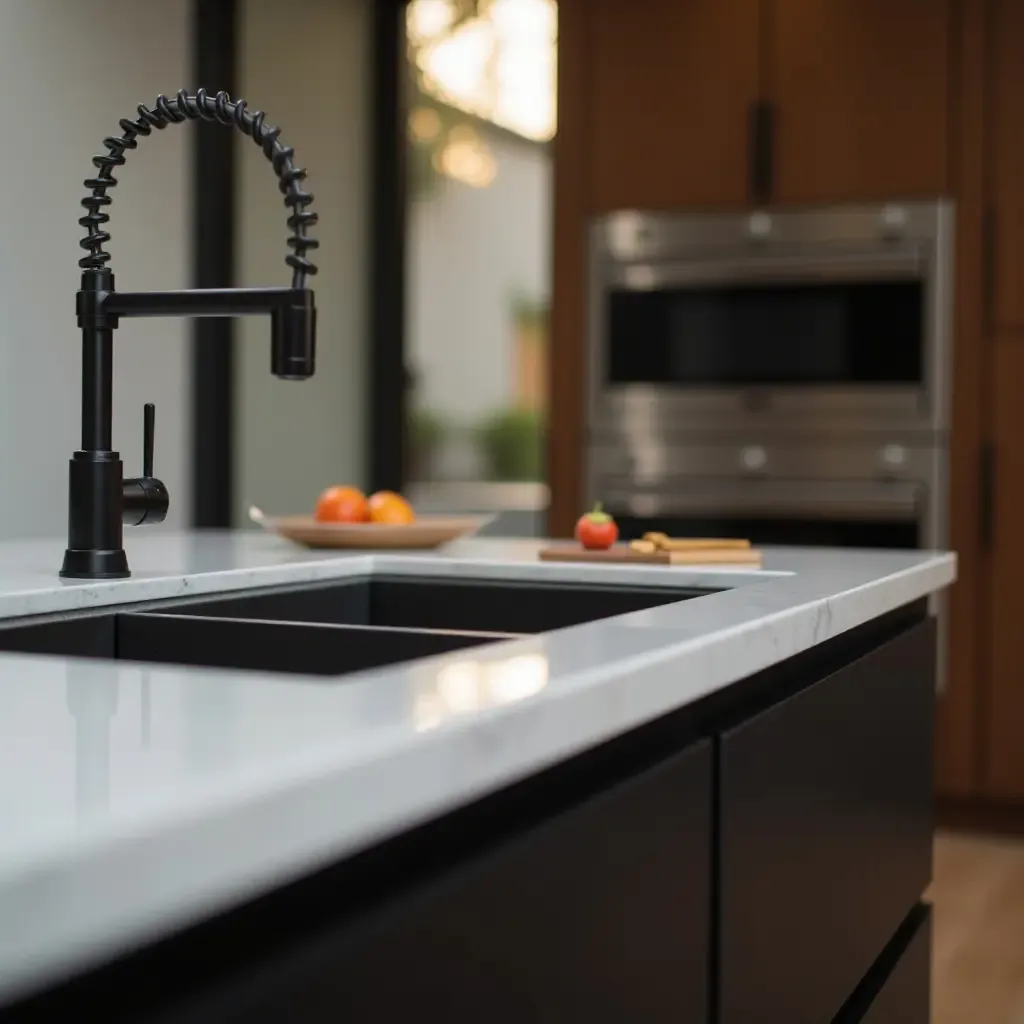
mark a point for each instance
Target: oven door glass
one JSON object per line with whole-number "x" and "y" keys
{"x": 818, "y": 333}
{"x": 786, "y": 530}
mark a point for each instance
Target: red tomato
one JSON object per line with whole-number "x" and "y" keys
{"x": 597, "y": 531}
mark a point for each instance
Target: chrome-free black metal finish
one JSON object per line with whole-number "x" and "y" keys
{"x": 207, "y": 302}
{"x": 100, "y": 501}
{"x": 215, "y": 45}
{"x": 145, "y": 499}
{"x": 184, "y": 107}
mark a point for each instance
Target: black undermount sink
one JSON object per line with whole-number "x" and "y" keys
{"x": 332, "y": 628}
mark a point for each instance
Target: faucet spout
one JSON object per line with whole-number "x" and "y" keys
{"x": 292, "y": 316}
{"x": 101, "y": 501}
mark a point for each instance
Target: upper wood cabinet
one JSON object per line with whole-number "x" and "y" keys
{"x": 860, "y": 92}
{"x": 1003, "y": 705}
{"x": 1006, "y": 157}
{"x": 670, "y": 84}
{"x": 857, "y": 94}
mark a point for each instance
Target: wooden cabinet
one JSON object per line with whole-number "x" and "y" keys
{"x": 1003, "y": 709}
{"x": 860, "y": 93}
{"x": 957, "y": 732}
{"x": 1006, "y": 157}
{"x": 670, "y": 84}
{"x": 855, "y": 95}
{"x": 1001, "y": 701}
{"x": 698, "y": 104}
{"x": 1000, "y": 618}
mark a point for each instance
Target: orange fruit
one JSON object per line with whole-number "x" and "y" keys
{"x": 388, "y": 507}
{"x": 342, "y": 505}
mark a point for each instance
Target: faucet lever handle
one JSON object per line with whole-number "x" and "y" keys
{"x": 148, "y": 439}
{"x": 144, "y": 499}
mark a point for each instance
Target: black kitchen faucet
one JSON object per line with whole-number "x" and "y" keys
{"x": 101, "y": 501}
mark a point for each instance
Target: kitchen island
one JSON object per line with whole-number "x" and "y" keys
{"x": 475, "y": 787}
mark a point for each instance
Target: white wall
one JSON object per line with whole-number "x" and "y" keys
{"x": 307, "y": 65}
{"x": 70, "y": 70}
{"x": 468, "y": 250}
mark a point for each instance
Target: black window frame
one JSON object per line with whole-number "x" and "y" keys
{"x": 214, "y": 48}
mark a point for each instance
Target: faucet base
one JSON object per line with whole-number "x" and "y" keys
{"x": 95, "y": 548}
{"x": 87, "y": 564}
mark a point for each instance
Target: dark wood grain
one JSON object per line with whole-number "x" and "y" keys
{"x": 1001, "y": 698}
{"x": 571, "y": 149}
{"x": 670, "y": 87}
{"x": 1006, "y": 151}
{"x": 861, "y": 90}
{"x": 653, "y": 108}
{"x": 956, "y": 737}
{"x": 1002, "y": 705}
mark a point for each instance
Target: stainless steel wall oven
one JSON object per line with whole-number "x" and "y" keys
{"x": 814, "y": 319}
{"x": 782, "y": 376}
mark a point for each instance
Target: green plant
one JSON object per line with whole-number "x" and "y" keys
{"x": 427, "y": 432}
{"x": 512, "y": 443}
{"x": 527, "y": 312}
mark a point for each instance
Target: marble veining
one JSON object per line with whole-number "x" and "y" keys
{"x": 135, "y": 799}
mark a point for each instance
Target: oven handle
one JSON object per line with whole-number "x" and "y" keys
{"x": 829, "y": 499}
{"x": 897, "y": 264}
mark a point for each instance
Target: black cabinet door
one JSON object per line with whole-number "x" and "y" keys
{"x": 905, "y": 996}
{"x": 826, "y": 833}
{"x": 600, "y": 915}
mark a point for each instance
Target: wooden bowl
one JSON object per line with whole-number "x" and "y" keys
{"x": 425, "y": 534}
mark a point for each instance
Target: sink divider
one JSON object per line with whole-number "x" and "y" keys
{"x": 307, "y": 648}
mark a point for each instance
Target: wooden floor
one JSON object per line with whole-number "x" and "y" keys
{"x": 978, "y": 951}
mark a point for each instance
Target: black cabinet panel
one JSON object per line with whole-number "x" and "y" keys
{"x": 898, "y": 989}
{"x": 825, "y": 833}
{"x": 600, "y": 915}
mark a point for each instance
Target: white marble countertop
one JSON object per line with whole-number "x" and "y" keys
{"x": 135, "y": 800}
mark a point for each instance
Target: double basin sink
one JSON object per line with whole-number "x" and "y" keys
{"x": 333, "y": 628}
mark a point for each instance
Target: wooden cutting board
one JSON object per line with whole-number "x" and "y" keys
{"x": 623, "y": 554}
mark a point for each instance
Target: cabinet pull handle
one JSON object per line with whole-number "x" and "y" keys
{"x": 988, "y": 268}
{"x": 762, "y": 144}
{"x": 987, "y": 495}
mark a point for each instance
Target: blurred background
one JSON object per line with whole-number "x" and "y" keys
{"x": 524, "y": 206}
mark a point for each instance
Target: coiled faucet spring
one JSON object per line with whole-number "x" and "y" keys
{"x": 222, "y": 109}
